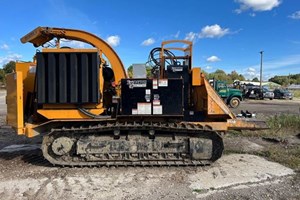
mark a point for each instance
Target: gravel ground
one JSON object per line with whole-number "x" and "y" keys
{"x": 270, "y": 107}
{"x": 25, "y": 175}
{"x": 237, "y": 176}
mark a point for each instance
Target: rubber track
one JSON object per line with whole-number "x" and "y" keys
{"x": 187, "y": 128}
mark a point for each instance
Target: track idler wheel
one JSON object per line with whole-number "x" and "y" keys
{"x": 62, "y": 146}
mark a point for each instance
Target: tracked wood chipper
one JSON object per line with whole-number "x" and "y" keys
{"x": 90, "y": 113}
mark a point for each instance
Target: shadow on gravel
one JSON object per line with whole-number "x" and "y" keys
{"x": 34, "y": 157}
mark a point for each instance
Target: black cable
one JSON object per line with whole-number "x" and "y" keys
{"x": 155, "y": 61}
{"x": 91, "y": 115}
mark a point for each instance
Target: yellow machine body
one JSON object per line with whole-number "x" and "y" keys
{"x": 14, "y": 101}
{"x": 90, "y": 114}
{"x": 22, "y": 82}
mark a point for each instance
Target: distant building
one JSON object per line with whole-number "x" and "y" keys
{"x": 294, "y": 87}
{"x": 265, "y": 84}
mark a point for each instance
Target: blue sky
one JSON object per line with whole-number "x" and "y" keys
{"x": 227, "y": 34}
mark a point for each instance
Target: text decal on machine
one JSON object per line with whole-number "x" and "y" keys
{"x": 136, "y": 83}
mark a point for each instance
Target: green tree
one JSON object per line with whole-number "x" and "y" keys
{"x": 130, "y": 71}
{"x": 219, "y": 71}
{"x": 241, "y": 78}
{"x": 294, "y": 79}
{"x": 281, "y": 80}
{"x": 9, "y": 67}
{"x": 235, "y": 76}
{"x": 2, "y": 76}
{"x": 285, "y": 81}
{"x": 219, "y": 75}
{"x": 149, "y": 71}
{"x": 255, "y": 79}
{"x": 206, "y": 75}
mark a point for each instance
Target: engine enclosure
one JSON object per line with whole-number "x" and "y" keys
{"x": 67, "y": 77}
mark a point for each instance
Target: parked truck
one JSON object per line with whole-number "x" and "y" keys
{"x": 231, "y": 96}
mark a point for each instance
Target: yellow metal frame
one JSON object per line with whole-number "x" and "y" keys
{"x": 28, "y": 75}
{"x": 14, "y": 101}
{"x": 41, "y": 35}
{"x": 187, "y": 50}
{"x": 67, "y": 50}
{"x": 197, "y": 77}
{"x": 68, "y": 113}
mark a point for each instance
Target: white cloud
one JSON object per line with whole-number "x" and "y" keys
{"x": 213, "y": 59}
{"x": 68, "y": 43}
{"x": 8, "y": 58}
{"x": 4, "y": 47}
{"x": 213, "y": 31}
{"x": 251, "y": 69}
{"x": 257, "y": 5}
{"x": 113, "y": 40}
{"x": 191, "y": 36}
{"x": 282, "y": 65}
{"x": 252, "y": 14}
{"x": 267, "y": 76}
{"x": 72, "y": 44}
{"x": 295, "y": 15}
{"x": 250, "y": 73}
{"x": 177, "y": 34}
{"x": 208, "y": 67}
{"x": 148, "y": 42}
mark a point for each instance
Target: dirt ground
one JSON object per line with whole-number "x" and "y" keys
{"x": 24, "y": 174}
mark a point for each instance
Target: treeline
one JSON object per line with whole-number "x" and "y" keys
{"x": 221, "y": 75}
{"x": 7, "y": 68}
{"x": 286, "y": 80}
{"x": 218, "y": 75}
{"x": 281, "y": 80}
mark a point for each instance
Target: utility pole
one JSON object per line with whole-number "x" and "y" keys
{"x": 261, "y": 61}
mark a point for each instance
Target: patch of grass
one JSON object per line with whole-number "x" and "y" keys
{"x": 288, "y": 156}
{"x": 281, "y": 125}
{"x": 227, "y": 152}
{"x": 199, "y": 191}
{"x": 284, "y": 121}
{"x": 296, "y": 93}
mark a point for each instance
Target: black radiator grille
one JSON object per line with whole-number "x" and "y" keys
{"x": 67, "y": 78}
